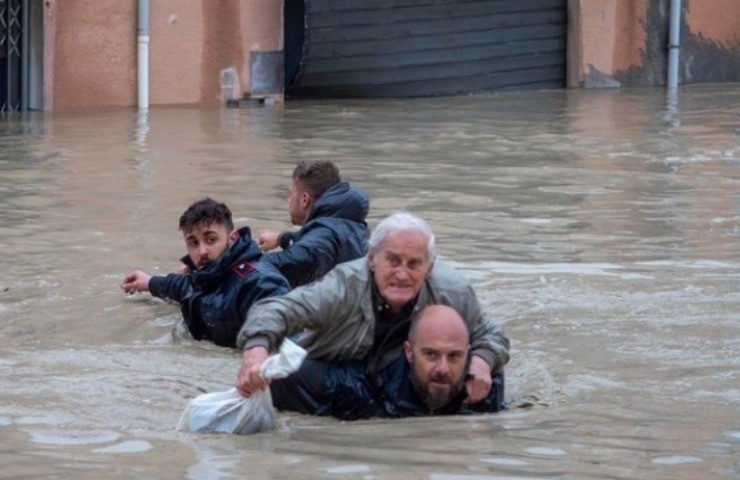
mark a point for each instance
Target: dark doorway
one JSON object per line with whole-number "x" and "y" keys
{"x": 294, "y": 12}
{"x": 412, "y": 48}
{"x": 11, "y": 44}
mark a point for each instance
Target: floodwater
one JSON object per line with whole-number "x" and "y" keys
{"x": 601, "y": 229}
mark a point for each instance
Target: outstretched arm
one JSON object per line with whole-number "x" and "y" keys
{"x": 136, "y": 281}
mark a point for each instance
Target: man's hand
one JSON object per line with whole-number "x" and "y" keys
{"x": 136, "y": 281}
{"x": 268, "y": 240}
{"x": 480, "y": 385}
{"x": 249, "y": 379}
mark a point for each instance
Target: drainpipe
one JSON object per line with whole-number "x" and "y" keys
{"x": 674, "y": 43}
{"x": 143, "y": 54}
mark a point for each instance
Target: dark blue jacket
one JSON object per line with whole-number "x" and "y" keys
{"x": 334, "y": 232}
{"x": 214, "y": 302}
{"x": 349, "y": 392}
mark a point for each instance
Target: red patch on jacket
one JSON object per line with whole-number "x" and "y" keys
{"x": 242, "y": 269}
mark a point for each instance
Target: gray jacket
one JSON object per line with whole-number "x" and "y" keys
{"x": 336, "y": 315}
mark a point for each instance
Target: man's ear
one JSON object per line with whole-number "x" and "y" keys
{"x": 233, "y": 236}
{"x": 408, "y": 350}
{"x": 306, "y": 200}
{"x": 371, "y": 261}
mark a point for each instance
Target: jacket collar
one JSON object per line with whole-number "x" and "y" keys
{"x": 243, "y": 249}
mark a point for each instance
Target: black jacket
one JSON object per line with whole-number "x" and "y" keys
{"x": 334, "y": 232}
{"x": 214, "y": 302}
{"x": 347, "y": 391}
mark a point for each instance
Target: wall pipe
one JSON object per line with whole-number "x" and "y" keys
{"x": 674, "y": 43}
{"x": 143, "y": 54}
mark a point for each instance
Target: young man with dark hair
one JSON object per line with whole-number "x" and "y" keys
{"x": 225, "y": 275}
{"x": 331, "y": 214}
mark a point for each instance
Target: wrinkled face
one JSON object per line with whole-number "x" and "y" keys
{"x": 299, "y": 203}
{"x": 400, "y": 267}
{"x": 205, "y": 243}
{"x": 438, "y": 364}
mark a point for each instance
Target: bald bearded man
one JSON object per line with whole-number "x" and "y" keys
{"x": 426, "y": 378}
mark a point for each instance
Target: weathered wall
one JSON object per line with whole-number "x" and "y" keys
{"x": 711, "y": 41}
{"x": 90, "y": 49}
{"x": 616, "y": 43}
{"x": 175, "y": 47}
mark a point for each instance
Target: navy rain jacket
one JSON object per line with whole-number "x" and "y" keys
{"x": 335, "y": 232}
{"x": 214, "y": 302}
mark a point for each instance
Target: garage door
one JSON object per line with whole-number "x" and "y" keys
{"x": 407, "y": 48}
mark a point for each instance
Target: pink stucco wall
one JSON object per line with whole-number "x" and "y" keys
{"x": 90, "y": 54}
{"x": 175, "y": 48}
{"x": 609, "y": 36}
{"x": 715, "y": 20}
{"x": 90, "y": 48}
{"x": 94, "y": 64}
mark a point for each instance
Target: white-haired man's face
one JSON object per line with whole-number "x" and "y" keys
{"x": 400, "y": 267}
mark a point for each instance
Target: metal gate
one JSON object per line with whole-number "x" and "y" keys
{"x": 12, "y": 22}
{"x": 409, "y": 48}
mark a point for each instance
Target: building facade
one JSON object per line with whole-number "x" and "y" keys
{"x": 63, "y": 54}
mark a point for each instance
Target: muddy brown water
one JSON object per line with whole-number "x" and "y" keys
{"x": 600, "y": 228}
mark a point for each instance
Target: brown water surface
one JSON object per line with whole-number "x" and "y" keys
{"x": 601, "y": 229}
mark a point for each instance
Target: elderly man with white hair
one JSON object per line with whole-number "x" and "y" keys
{"x": 362, "y": 310}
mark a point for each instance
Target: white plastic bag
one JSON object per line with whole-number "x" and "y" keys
{"x": 230, "y": 412}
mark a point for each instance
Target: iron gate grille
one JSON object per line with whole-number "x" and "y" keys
{"x": 11, "y": 34}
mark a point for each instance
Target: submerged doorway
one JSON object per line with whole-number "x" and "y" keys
{"x": 398, "y": 48}
{"x": 21, "y": 55}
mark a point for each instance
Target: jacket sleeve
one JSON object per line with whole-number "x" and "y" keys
{"x": 315, "y": 307}
{"x": 173, "y": 286}
{"x": 286, "y": 239}
{"x": 265, "y": 286}
{"x": 308, "y": 258}
{"x": 487, "y": 339}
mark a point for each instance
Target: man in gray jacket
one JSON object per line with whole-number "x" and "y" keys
{"x": 361, "y": 310}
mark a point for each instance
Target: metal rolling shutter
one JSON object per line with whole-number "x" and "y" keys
{"x": 408, "y": 48}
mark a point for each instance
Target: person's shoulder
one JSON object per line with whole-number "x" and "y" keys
{"x": 243, "y": 269}
{"x": 350, "y": 273}
{"x": 445, "y": 269}
{"x": 255, "y": 271}
{"x": 445, "y": 276}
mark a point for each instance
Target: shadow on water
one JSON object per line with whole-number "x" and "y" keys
{"x": 600, "y": 228}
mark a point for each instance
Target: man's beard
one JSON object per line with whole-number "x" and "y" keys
{"x": 205, "y": 265}
{"x": 435, "y": 399}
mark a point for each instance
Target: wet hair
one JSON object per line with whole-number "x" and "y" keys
{"x": 402, "y": 222}
{"x": 206, "y": 212}
{"x": 316, "y": 177}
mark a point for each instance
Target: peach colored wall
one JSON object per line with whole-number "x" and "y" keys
{"x": 175, "y": 46}
{"x": 222, "y": 45}
{"x": 263, "y": 29}
{"x": 192, "y": 42}
{"x": 715, "y": 20}
{"x": 90, "y": 49}
{"x": 94, "y": 62}
{"x": 609, "y": 35}
{"x": 608, "y": 38}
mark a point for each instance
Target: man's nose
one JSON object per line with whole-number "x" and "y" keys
{"x": 442, "y": 367}
{"x": 402, "y": 273}
{"x": 203, "y": 250}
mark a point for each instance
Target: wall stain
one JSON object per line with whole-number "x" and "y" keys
{"x": 701, "y": 60}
